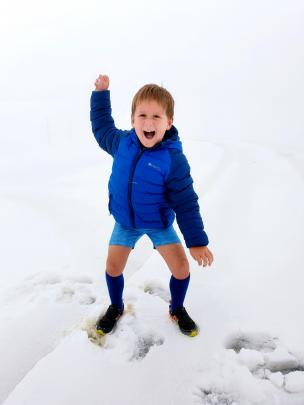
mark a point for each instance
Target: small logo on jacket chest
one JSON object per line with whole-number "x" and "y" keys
{"x": 154, "y": 166}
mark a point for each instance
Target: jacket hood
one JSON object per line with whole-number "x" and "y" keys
{"x": 171, "y": 139}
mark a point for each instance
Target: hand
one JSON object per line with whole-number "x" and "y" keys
{"x": 202, "y": 255}
{"x": 102, "y": 83}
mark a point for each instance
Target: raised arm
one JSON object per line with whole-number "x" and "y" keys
{"x": 103, "y": 126}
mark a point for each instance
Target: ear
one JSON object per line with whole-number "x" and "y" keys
{"x": 170, "y": 122}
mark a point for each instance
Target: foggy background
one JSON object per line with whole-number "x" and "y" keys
{"x": 234, "y": 67}
{"x": 235, "y": 70}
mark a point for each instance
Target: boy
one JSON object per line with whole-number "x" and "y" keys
{"x": 150, "y": 184}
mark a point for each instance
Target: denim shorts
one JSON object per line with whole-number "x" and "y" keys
{"x": 129, "y": 236}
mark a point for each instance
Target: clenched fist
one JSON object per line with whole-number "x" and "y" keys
{"x": 102, "y": 83}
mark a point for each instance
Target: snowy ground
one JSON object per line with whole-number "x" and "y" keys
{"x": 250, "y": 348}
{"x": 234, "y": 69}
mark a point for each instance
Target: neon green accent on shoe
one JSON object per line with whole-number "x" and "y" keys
{"x": 186, "y": 325}
{"x": 100, "y": 332}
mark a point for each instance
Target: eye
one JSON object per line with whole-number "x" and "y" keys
{"x": 156, "y": 116}
{"x": 142, "y": 115}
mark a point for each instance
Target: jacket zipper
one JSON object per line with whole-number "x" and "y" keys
{"x": 135, "y": 161}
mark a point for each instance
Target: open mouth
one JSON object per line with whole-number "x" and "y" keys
{"x": 149, "y": 135}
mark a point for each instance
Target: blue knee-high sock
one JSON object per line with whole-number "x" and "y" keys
{"x": 178, "y": 289}
{"x": 115, "y": 287}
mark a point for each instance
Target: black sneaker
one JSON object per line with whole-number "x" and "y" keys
{"x": 106, "y": 323}
{"x": 185, "y": 323}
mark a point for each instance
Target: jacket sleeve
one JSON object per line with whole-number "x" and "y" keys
{"x": 103, "y": 126}
{"x": 184, "y": 201}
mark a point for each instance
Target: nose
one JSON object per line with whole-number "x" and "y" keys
{"x": 149, "y": 125}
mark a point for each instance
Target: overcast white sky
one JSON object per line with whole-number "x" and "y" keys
{"x": 234, "y": 67}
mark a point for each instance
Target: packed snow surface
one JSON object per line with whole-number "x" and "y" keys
{"x": 235, "y": 75}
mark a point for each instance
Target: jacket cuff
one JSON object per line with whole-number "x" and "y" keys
{"x": 101, "y": 93}
{"x": 200, "y": 241}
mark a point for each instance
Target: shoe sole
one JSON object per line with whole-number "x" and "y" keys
{"x": 190, "y": 333}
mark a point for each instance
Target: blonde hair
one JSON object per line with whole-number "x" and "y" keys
{"x": 156, "y": 93}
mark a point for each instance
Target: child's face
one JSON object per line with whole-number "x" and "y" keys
{"x": 150, "y": 122}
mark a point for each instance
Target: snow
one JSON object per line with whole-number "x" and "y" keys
{"x": 295, "y": 381}
{"x": 235, "y": 73}
{"x": 281, "y": 359}
{"x": 252, "y": 359}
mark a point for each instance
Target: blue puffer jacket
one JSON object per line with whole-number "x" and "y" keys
{"x": 148, "y": 186}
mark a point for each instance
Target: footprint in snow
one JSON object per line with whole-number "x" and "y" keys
{"x": 212, "y": 397}
{"x": 267, "y": 358}
{"x": 153, "y": 287}
{"x": 254, "y": 341}
{"x": 144, "y": 344}
{"x": 46, "y": 286}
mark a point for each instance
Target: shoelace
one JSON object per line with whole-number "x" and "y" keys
{"x": 112, "y": 313}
